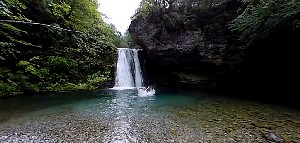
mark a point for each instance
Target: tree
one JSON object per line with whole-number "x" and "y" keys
{"x": 128, "y": 39}
{"x": 263, "y": 17}
{"x": 44, "y": 56}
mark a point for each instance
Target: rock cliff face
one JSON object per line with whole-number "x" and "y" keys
{"x": 202, "y": 52}
{"x": 195, "y": 54}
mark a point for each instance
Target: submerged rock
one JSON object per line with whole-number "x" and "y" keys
{"x": 273, "y": 137}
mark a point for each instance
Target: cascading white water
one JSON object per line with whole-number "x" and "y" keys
{"x": 126, "y": 75}
{"x": 123, "y": 74}
{"x": 137, "y": 69}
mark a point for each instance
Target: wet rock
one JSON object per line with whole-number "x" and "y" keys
{"x": 187, "y": 57}
{"x": 250, "y": 126}
{"x": 273, "y": 137}
{"x": 231, "y": 141}
{"x": 217, "y": 119}
{"x": 228, "y": 129}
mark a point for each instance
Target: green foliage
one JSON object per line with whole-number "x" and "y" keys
{"x": 7, "y": 5}
{"x": 263, "y": 17}
{"x": 61, "y": 61}
{"x": 36, "y": 58}
{"x": 6, "y": 87}
{"x": 148, "y": 7}
{"x": 7, "y": 84}
{"x": 144, "y": 8}
{"x": 80, "y": 15}
{"x": 28, "y": 87}
{"x": 129, "y": 41}
{"x": 176, "y": 16}
{"x": 117, "y": 37}
{"x": 60, "y": 10}
{"x": 33, "y": 69}
{"x": 98, "y": 78}
{"x": 70, "y": 86}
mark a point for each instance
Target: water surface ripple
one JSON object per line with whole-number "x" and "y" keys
{"x": 120, "y": 116}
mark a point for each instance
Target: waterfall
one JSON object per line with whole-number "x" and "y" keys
{"x": 123, "y": 74}
{"x": 137, "y": 69}
{"x": 129, "y": 73}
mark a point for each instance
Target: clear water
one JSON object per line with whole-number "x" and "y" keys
{"x": 122, "y": 116}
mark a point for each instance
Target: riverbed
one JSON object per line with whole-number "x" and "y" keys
{"x": 122, "y": 116}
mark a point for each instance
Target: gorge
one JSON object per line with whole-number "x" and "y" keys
{"x": 224, "y": 71}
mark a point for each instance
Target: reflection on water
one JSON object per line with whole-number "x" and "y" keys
{"x": 121, "y": 121}
{"x": 122, "y": 116}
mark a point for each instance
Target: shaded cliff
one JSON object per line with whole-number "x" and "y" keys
{"x": 188, "y": 51}
{"x": 197, "y": 49}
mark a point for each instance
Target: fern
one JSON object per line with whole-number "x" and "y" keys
{"x": 11, "y": 28}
